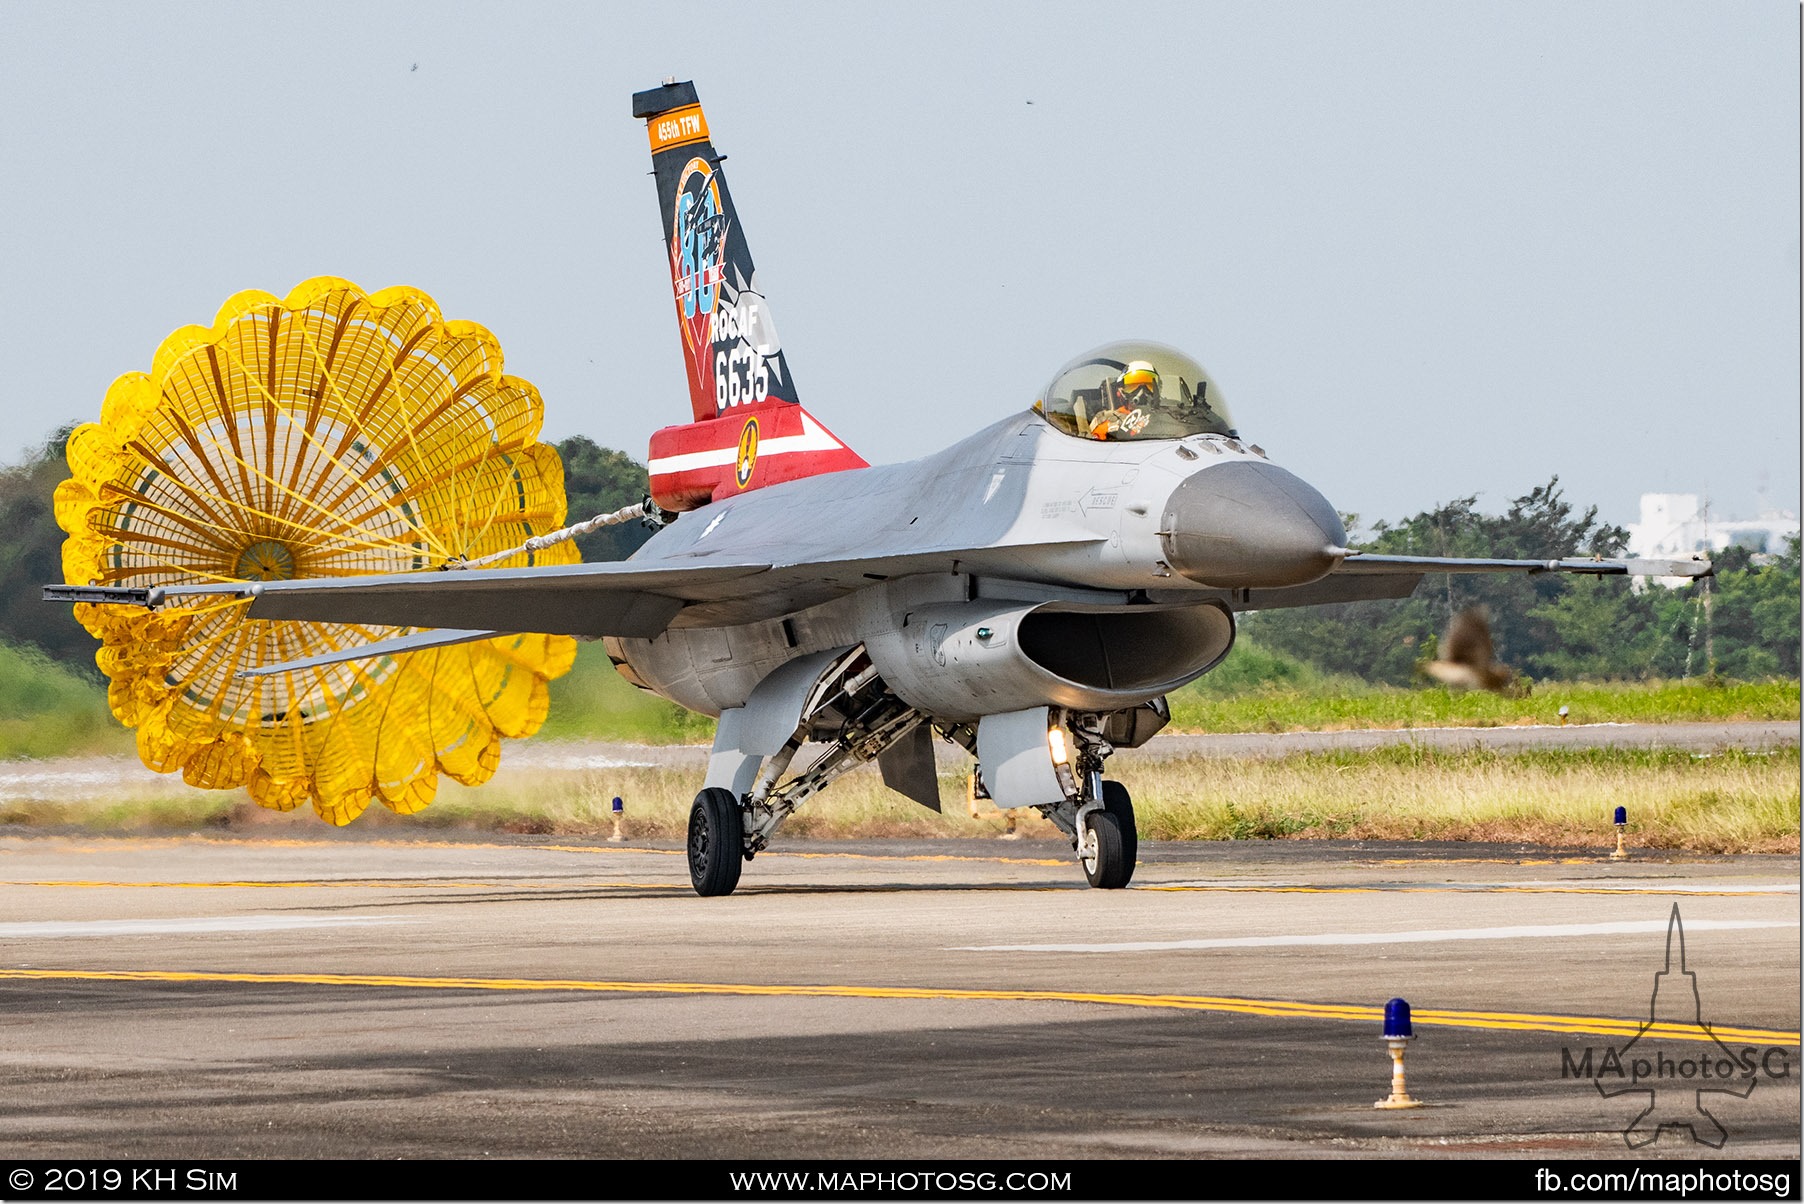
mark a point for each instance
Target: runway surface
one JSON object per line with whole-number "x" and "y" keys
{"x": 343, "y": 996}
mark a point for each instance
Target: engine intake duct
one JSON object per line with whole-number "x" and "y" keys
{"x": 1122, "y": 650}
{"x": 961, "y": 660}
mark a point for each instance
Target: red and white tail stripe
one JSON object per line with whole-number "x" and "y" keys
{"x": 745, "y": 448}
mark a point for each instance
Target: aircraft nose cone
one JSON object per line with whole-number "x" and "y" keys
{"x": 1248, "y": 524}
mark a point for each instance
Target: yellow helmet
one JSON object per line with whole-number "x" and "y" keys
{"x": 1139, "y": 379}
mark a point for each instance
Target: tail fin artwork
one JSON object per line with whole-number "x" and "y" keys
{"x": 749, "y": 429}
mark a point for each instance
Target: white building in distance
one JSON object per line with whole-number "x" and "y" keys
{"x": 1676, "y": 525}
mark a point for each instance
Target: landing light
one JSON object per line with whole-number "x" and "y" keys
{"x": 1055, "y": 740}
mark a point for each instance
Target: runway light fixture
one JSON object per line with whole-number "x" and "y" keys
{"x": 1397, "y": 1024}
{"x": 619, "y": 810}
{"x": 1398, "y": 1033}
{"x": 1622, "y": 824}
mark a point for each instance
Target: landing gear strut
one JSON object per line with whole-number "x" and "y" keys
{"x": 1097, "y": 816}
{"x": 857, "y": 716}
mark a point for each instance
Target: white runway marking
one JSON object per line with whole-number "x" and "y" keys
{"x": 558, "y": 758}
{"x": 18, "y": 785}
{"x": 1386, "y": 938}
{"x": 62, "y": 928}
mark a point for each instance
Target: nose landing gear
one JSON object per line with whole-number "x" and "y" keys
{"x": 1109, "y": 845}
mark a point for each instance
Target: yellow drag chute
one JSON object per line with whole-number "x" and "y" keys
{"x": 328, "y": 433}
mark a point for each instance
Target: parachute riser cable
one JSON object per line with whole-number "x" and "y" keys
{"x": 625, "y": 514}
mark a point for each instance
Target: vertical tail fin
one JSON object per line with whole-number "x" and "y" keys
{"x": 730, "y": 344}
{"x": 749, "y": 427}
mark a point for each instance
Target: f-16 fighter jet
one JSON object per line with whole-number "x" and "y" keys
{"x": 1030, "y": 594}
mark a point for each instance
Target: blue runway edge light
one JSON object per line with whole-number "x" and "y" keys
{"x": 620, "y": 806}
{"x": 1396, "y": 1020}
{"x": 1622, "y": 816}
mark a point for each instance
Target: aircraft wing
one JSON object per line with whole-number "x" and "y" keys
{"x": 1371, "y": 563}
{"x": 632, "y": 598}
{"x": 615, "y": 598}
{"x": 635, "y": 600}
{"x": 1368, "y": 576}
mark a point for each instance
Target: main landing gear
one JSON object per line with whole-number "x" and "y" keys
{"x": 857, "y": 718}
{"x": 716, "y": 842}
{"x": 850, "y": 711}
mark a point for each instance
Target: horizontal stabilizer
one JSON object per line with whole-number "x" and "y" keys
{"x": 357, "y": 652}
{"x": 99, "y": 595}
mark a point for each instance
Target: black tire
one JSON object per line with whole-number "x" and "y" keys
{"x": 1117, "y": 802}
{"x": 1110, "y": 844}
{"x": 716, "y": 842}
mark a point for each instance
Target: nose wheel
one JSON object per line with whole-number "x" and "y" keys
{"x": 716, "y": 842}
{"x": 1109, "y": 844}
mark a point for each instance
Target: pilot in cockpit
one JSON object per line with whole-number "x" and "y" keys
{"x": 1133, "y": 400}
{"x": 1134, "y": 391}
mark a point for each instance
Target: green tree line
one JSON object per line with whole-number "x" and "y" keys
{"x": 1744, "y": 623}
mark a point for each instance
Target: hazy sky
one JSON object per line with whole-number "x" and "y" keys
{"x": 1426, "y": 249}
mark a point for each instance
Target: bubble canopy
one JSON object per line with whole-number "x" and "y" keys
{"x": 1135, "y": 390}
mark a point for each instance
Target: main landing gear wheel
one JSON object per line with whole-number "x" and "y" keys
{"x": 1110, "y": 842}
{"x": 716, "y": 842}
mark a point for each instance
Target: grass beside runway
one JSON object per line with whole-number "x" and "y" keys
{"x": 1248, "y": 694}
{"x": 1729, "y": 801}
{"x": 1344, "y": 704}
{"x": 49, "y": 710}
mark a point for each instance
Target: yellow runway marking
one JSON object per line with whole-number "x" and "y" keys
{"x": 1601, "y": 857}
{"x": 259, "y": 842}
{"x": 560, "y": 884}
{"x": 1404, "y": 889}
{"x": 368, "y": 883}
{"x": 929, "y": 857}
{"x": 1512, "y": 1021}
{"x": 569, "y": 848}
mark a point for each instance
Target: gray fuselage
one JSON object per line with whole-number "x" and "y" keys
{"x": 1019, "y": 513}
